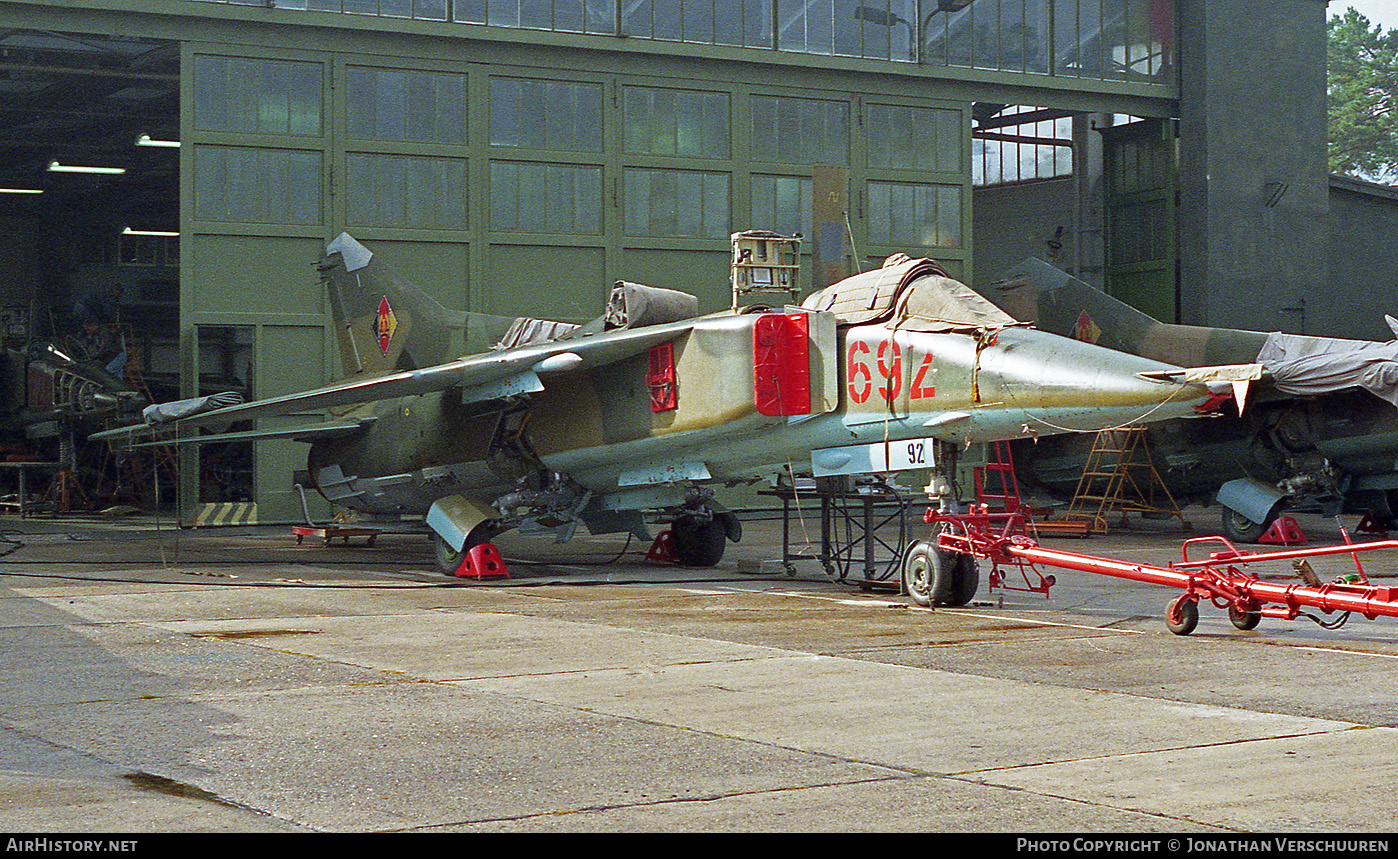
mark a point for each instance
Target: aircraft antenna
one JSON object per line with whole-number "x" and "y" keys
{"x": 854, "y": 249}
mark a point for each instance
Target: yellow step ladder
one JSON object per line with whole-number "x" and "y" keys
{"x": 1120, "y": 476}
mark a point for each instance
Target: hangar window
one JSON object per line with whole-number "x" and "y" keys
{"x": 878, "y": 29}
{"x": 545, "y": 198}
{"x": 406, "y": 191}
{"x": 1095, "y": 39}
{"x": 910, "y": 214}
{"x": 427, "y": 10}
{"x": 676, "y": 122}
{"x": 676, "y": 203}
{"x": 434, "y": 10}
{"x": 914, "y": 138}
{"x": 800, "y": 130}
{"x": 258, "y": 96}
{"x": 782, "y": 204}
{"x": 573, "y": 16}
{"x": 541, "y": 114}
{"x": 1021, "y": 143}
{"x": 393, "y": 104}
{"x": 716, "y": 22}
{"x": 277, "y": 186}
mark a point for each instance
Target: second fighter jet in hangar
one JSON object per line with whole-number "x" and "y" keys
{"x": 634, "y": 418}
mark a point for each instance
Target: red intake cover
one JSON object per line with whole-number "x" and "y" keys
{"x": 781, "y": 377}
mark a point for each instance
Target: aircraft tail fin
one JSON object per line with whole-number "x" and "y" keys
{"x": 385, "y": 324}
{"x": 1055, "y": 301}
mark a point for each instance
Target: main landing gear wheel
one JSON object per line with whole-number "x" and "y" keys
{"x": 1240, "y": 529}
{"x": 448, "y": 559}
{"x": 1182, "y": 616}
{"x": 936, "y": 577}
{"x": 699, "y": 542}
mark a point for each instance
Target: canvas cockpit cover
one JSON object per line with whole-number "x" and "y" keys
{"x": 917, "y": 293}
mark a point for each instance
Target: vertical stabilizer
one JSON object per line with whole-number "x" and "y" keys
{"x": 1055, "y": 301}
{"x": 383, "y": 323}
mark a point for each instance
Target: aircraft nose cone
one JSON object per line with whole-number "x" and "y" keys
{"x": 1067, "y": 385}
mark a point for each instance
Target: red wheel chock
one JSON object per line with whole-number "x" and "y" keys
{"x": 483, "y": 562}
{"x": 663, "y": 549}
{"x": 1371, "y": 524}
{"x": 1284, "y": 531}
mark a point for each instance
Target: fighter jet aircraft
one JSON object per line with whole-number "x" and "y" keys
{"x": 45, "y": 387}
{"x": 635, "y": 417}
{"x": 1318, "y": 427}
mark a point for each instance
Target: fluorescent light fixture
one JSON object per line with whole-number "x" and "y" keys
{"x": 21, "y": 190}
{"x": 55, "y": 167}
{"x": 147, "y": 140}
{"x": 130, "y": 232}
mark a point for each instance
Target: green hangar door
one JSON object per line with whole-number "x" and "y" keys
{"x": 1140, "y": 178}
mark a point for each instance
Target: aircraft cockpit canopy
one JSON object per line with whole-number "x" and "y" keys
{"x": 916, "y": 292}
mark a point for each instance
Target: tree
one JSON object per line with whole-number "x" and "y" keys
{"x": 1363, "y": 89}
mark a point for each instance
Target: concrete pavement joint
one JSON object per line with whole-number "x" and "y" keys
{"x": 1172, "y": 818}
{"x": 1150, "y": 752}
{"x": 676, "y": 800}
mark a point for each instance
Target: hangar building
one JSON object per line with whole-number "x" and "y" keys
{"x": 516, "y": 157}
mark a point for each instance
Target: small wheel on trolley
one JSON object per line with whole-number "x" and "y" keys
{"x": 1182, "y": 616}
{"x": 1244, "y": 618}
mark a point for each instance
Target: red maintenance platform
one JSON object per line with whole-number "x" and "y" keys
{"x": 1222, "y": 577}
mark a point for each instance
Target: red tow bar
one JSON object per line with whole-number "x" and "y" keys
{"x": 1220, "y": 577}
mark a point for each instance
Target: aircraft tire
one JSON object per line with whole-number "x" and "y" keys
{"x": 936, "y": 577}
{"x": 448, "y": 559}
{"x": 1240, "y": 529}
{"x": 958, "y": 579}
{"x": 699, "y": 543}
{"x": 917, "y": 572}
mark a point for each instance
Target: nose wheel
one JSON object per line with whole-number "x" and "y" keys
{"x": 937, "y": 577}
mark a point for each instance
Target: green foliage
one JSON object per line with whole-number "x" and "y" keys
{"x": 1363, "y": 89}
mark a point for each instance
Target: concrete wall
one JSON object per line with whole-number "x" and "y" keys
{"x": 1363, "y": 257}
{"x": 1014, "y": 222}
{"x": 1253, "y": 180}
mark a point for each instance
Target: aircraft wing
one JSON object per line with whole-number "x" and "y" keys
{"x": 483, "y": 377}
{"x": 340, "y": 429}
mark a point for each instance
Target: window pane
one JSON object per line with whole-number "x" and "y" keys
{"x": 914, "y": 138}
{"x": 258, "y": 96}
{"x": 538, "y": 114}
{"x": 676, "y": 203}
{"x": 406, "y": 191}
{"x": 782, "y": 204}
{"x": 676, "y": 122}
{"x": 545, "y": 198}
{"x": 469, "y": 11}
{"x": 388, "y": 104}
{"x": 274, "y": 186}
{"x": 800, "y": 130}
{"x": 904, "y": 214}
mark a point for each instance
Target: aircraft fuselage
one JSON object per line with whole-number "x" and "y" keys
{"x": 605, "y": 430}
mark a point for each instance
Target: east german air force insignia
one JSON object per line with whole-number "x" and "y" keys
{"x": 384, "y": 324}
{"x": 1084, "y": 329}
